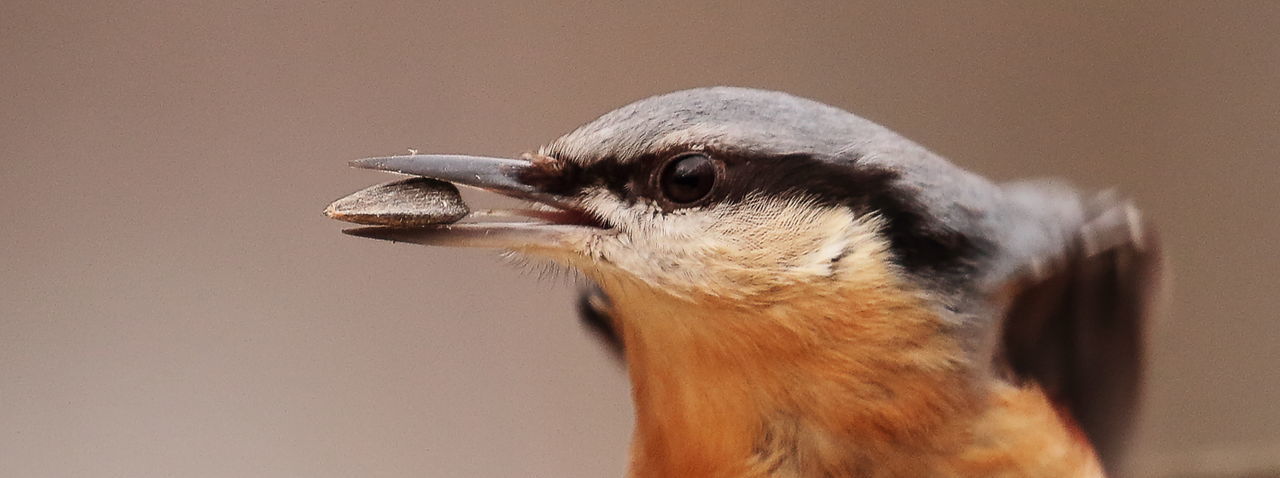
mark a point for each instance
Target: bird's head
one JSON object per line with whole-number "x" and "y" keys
{"x": 744, "y": 195}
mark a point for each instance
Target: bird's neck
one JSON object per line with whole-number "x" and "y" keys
{"x": 842, "y": 387}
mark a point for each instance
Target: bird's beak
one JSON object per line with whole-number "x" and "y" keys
{"x": 559, "y": 224}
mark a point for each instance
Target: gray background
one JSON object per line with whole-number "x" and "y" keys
{"x": 172, "y": 302}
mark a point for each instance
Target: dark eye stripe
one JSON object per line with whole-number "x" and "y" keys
{"x": 919, "y": 242}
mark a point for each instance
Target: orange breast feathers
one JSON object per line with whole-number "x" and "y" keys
{"x": 867, "y": 383}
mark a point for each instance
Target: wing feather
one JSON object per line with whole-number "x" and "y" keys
{"x": 597, "y": 315}
{"x": 1077, "y": 322}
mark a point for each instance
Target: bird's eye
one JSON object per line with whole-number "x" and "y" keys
{"x": 687, "y": 179}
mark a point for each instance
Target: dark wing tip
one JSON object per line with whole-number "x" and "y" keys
{"x": 1078, "y": 323}
{"x": 596, "y": 314}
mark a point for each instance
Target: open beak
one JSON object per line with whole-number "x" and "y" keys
{"x": 557, "y": 224}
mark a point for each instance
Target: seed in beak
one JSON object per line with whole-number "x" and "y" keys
{"x": 412, "y": 202}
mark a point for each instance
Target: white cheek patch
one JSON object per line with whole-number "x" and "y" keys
{"x": 753, "y": 246}
{"x": 796, "y": 237}
{"x": 648, "y": 237}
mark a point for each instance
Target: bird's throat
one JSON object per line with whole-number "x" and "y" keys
{"x": 873, "y": 387}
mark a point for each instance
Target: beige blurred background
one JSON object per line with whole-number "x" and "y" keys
{"x": 172, "y": 302}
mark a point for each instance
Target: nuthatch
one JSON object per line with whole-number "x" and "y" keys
{"x": 800, "y": 292}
